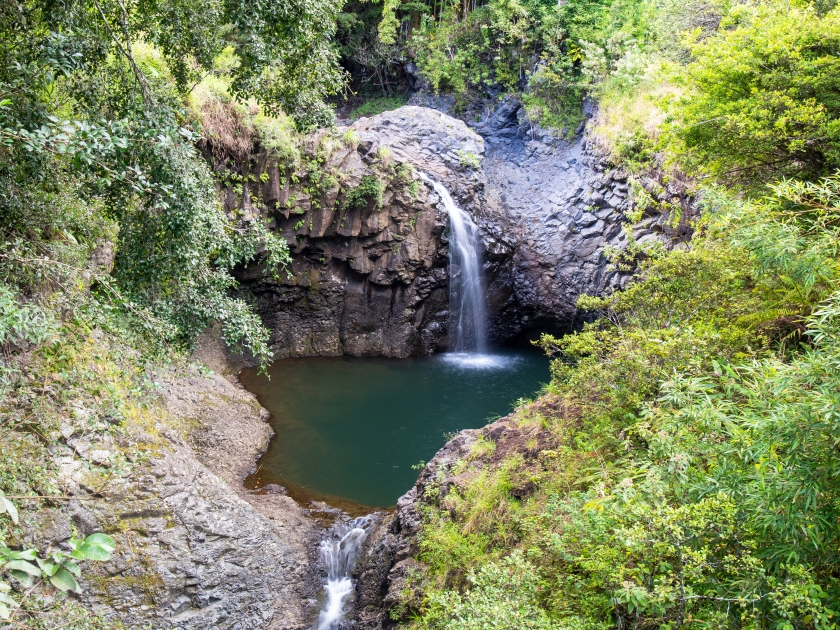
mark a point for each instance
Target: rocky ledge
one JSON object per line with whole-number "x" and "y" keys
{"x": 369, "y": 270}
{"x": 195, "y": 549}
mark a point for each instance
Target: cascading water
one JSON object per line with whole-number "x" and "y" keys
{"x": 340, "y": 552}
{"x": 468, "y": 312}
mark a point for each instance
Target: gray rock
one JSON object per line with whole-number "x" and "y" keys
{"x": 374, "y": 280}
{"x": 195, "y": 550}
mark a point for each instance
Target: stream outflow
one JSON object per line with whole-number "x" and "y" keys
{"x": 339, "y": 551}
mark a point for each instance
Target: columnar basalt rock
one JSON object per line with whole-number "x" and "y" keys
{"x": 369, "y": 239}
{"x": 369, "y": 273}
{"x": 568, "y": 204}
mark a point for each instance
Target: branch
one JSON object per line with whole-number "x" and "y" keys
{"x": 138, "y": 74}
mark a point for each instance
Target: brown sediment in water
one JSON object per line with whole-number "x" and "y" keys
{"x": 263, "y": 482}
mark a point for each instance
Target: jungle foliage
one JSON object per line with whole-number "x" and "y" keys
{"x": 99, "y": 145}
{"x": 688, "y": 476}
{"x": 695, "y": 479}
{"x": 536, "y": 49}
{"x": 114, "y": 248}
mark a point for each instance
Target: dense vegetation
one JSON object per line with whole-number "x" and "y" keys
{"x": 114, "y": 249}
{"x": 687, "y": 463}
{"x": 686, "y": 466}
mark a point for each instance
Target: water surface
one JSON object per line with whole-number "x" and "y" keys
{"x": 351, "y": 428}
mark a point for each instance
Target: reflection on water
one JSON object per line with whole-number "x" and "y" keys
{"x": 353, "y": 427}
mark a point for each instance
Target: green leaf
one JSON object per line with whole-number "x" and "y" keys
{"x": 91, "y": 552}
{"x": 64, "y": 581}
{"x": 22, "y": 565}
{"x": 24, "y": 578}
{"x": 101, "y": 540}
{"x": 9, "y": 508}
{"x": 48, "y": 566}
{"x": 26, "y": 554}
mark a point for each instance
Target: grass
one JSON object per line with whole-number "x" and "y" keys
{"x": 377, "y": 105}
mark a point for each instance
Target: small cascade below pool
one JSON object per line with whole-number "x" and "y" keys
{"x": 339, "y": 551}
{"x": 467, "y": 307}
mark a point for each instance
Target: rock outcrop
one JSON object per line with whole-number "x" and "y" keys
{"x": 387, "y": 585}
{"x": 567, "y": 207}
{"x": 369, "y": 272}
{"x": 566, "y": 204}
{"x": 195, "y": 550}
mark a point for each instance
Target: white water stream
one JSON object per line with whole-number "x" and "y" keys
{"x": 340, "y": 552}
{"x": 467, "y": 308}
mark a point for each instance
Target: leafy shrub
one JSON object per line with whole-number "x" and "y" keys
{"x": 374, "y": 106}
{"x": 759, "y": 98}
{"x": 21, "y": 323}
{"x": 60, "y": 569}
{"x": 369, "y": 189}
{"x": 117, "y": 165}
{"x": 501, "y": 595}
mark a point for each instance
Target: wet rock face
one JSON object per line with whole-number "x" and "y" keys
{"x": 370, "y": 259}
{"x": 567, "y": 207}
{"x": 370, "y": 255}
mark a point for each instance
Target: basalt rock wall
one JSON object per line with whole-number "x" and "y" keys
{"x": 369, "y": 272}
{"x": 568, "y": 203}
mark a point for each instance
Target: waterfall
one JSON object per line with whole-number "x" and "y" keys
{"x": 467, "y": 309}
{"x": 340, "y": 552}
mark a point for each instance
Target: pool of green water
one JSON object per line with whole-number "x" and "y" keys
{"x": 350, "y": 429}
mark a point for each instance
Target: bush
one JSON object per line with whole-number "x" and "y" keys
{"x": 760, "y": 99}
{"x": 501, "y": 596}
{"x": 369, "y": 189}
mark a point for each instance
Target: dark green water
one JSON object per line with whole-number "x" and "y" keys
{"x": 351, "y": 428}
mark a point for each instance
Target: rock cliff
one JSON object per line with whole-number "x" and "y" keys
{"x": 566, "y": 203}
{"x": 369, "y": 239}
{"x": 369, "y": 272}
{"x": 195, "y": 550}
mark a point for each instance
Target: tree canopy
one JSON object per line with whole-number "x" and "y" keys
{"x": 99, "y": 143}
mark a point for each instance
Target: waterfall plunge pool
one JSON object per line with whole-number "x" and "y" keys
{"x": 350, "y": 429}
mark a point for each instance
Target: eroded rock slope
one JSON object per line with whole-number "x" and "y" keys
{"x": 195, "y": 550}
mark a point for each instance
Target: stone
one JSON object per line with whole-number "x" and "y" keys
{"x": 372, "y": 279}
{"x": 195, "y": 551}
